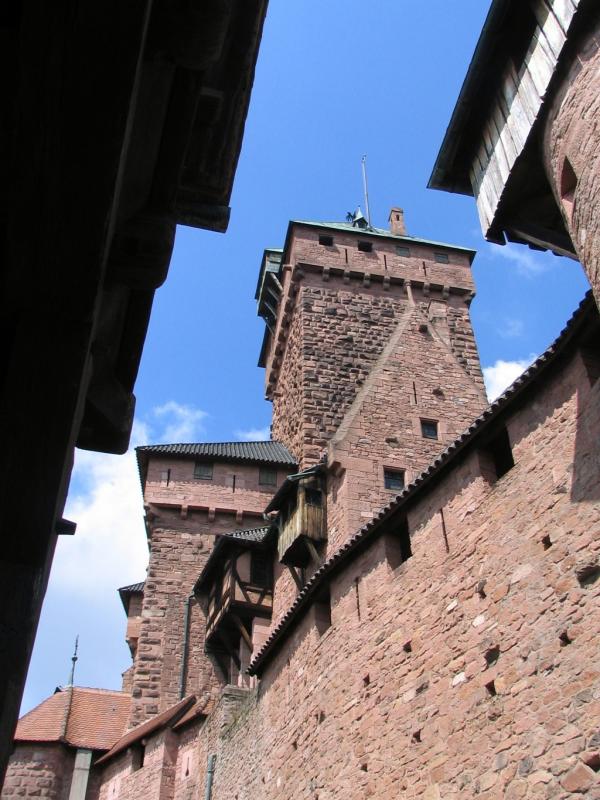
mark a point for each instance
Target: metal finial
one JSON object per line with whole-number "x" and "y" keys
{"x": 74, "y": 661}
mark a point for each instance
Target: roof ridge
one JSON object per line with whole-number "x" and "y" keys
{"x": 231, "y": 441}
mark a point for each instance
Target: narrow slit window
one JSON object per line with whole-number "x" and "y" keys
{"x": 203, "y": 471}
{"x": 441, "y": 258}
{"x": 325, "y": 241}
{"x": 365, "y": 247}
{"x": 429, "y": 429}
{"x": 323, "y": 612}
{"x": 393, "y": 479}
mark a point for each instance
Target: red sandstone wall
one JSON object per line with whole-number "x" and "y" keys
{"x": 219, "y": 493}
{"x": 155, "y": 779}
{"x": 417, "y": 377}
{"x": 396, "y": 698}
{"x": 332, "y": 327}
{"x": 383, "y": 260}
{"x": 571, "y": 135}
{"x": 39, "y": 770}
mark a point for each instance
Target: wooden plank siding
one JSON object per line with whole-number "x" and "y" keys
{"x": 517, "y": 105}
{"x": 304, "y": 520}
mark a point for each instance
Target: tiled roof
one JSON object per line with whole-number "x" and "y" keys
{"x": 126, "y": 591}
{"x": 170, "y": 716}
{"x": 583, "y": 315}
{"x": 81, "y": 717}
{"x": 268, "y": 452}
{"x": 201, "y": 708}
{"x": 133, "y": 588}
{"x": 251, "y": 537}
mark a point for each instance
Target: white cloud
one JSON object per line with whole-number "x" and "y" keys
{"x": 501, "y": 374}
{"x": 528, "y": 262}
{"x": 105, "y": 500}
{"x": 255, "y": 434}
{"x": 185, "y": 425}
{"x": 511, "y": 328}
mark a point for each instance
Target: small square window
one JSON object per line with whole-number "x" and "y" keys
{"x": 203, "y": 471}
{"x": 326, "y": 241}
{"x": 393, "y": 479}
{"x": 402, "y": 251}
{"x": 365, "y": 247}
{"x": 441, "y": 258}
{"x": 267, "y": 476}
{"x": 429, "y": 429}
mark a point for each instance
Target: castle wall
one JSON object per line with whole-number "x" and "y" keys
{"x": 39, "y": 770}
{"x": 122, "y": 779}
{"x": 471, "y": 668}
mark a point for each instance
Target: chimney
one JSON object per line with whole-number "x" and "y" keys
{"x": 397, "y": 222}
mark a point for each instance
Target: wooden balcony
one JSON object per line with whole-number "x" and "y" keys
{"x": 302, "y": 523}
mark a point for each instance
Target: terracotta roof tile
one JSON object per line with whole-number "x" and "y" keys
{"x": 81, "y": 717}
{"x": 171, "y": 715}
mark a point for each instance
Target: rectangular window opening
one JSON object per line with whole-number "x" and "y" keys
{"x": 441, "y": 258}
{"x": 402, "y": 251}
{"x": 137, "y": 756}
{"x": 313, "y": 497}
{"x": 398, "y": 546}
{"x": 267, "y": 476}
{"x": 500, "y": 453}
{"x": 365, "y": 247}
{"x": 203, "y": 471}
{"x": 323, "y": 612}
{"x": 325, "y": 241}
{"x": 260, "y": 569}
{"x": 429, "y": 429}
{"x": 393, "y": 479}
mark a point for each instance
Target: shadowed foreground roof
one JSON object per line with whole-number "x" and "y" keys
{"x": 81, "y": 717}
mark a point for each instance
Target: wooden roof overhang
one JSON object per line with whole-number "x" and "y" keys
{"x": 492, "y": 147}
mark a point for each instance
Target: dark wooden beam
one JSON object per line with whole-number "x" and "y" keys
{"x": 242, "y": 629}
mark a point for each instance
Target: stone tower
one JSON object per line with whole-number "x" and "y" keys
{"x": 370, "y": 358}
{"x": 193, "y": 494}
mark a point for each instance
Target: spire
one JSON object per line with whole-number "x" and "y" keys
{"x": 74, "y": 661}
{"x": 358, "y": 219}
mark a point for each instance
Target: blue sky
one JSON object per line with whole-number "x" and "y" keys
{"x": 334, "y": 80}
